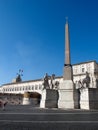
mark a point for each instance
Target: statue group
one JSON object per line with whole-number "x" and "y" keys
{"x": 52, "y": 84}
{"x": 19, "y": 74}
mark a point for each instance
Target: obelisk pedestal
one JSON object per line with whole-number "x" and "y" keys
{"x": 66, "y": 95}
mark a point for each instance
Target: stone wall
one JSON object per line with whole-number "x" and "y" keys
{"x": 89, "y": 98}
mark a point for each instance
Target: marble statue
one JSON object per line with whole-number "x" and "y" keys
{"x": 46, "y": 81}
{"x": 84, "y": 83}
{"x": 86, "y": 80}
{"x": 52, "y": 85}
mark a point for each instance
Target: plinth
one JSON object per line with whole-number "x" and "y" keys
{"x": 66, "y": 95}
{"x": 89, "y": 98}
{"x": 49, "y": 98}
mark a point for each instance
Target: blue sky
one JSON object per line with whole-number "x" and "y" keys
{"x": 32, "y": 36}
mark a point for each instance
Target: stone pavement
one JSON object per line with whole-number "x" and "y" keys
{"x": 29, "y": 118}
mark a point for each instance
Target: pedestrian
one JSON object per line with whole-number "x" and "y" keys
{"x": 3, "y": 104}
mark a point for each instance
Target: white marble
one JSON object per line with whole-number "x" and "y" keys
{"x": 26, "y": 101}
{"x": 84, "y": 98}
{"x": 43, "y": 98}
{"x": 66, "y": 95}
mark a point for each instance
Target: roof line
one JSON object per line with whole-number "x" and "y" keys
{"x": 28, "y": 81}
{"x": 85, "y": 62}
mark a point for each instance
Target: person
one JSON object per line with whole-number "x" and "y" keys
{"x": 3, "y": 104}
{"x": 0, "y": 103}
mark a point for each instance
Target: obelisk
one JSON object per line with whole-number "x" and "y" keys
{"x": 66, "y": 89}
{"x": 67, "y": 66}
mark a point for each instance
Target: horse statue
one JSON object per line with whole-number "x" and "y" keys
{"x": 85, "y": 82}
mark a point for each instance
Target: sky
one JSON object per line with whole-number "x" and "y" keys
{"x": 32, "y": 36}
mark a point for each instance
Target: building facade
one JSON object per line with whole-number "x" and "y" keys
{"x": 79, "y": 73}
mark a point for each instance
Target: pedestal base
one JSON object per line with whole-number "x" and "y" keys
{"x": 89, "y": 98}
{"x": 66, "y": 95}
{"x": 49, "y": 99}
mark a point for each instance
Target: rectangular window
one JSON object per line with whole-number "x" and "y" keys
{"x": 36, "y": 87}
{"x": 83, "y": 69}
{"x": 32, "y": 87}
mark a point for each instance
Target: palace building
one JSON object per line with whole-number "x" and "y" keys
{"x": 79, "y": 73}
